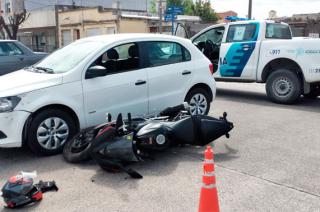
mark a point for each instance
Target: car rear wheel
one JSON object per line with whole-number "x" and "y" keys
{"x": 199, "y": 101}
{"x": 49, "y": 131}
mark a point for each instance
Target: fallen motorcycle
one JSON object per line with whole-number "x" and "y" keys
{"x": 116, "y": 144}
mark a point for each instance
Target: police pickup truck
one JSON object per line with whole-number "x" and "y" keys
{"x": 263, "y": 52}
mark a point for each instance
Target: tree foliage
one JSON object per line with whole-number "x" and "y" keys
{"x": 200, "y": 8}
{"x": 203, "y": 9}
{"x": 152, "y": 7}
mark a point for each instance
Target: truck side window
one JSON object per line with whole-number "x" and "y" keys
{"x": 215, "y": 35}
{"x": 278, "y": 31}
{"x": 242, "y": 33}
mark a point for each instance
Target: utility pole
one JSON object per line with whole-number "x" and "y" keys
{"x": 160, "y": 16}
{"x": 250, "y": 10}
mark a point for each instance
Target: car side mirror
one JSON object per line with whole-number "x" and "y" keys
{"x": 96, "y": 71}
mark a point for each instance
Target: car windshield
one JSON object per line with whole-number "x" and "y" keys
{"x": 68, "y": 57}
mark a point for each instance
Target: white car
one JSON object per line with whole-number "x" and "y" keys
{"x": 45, "y": 105}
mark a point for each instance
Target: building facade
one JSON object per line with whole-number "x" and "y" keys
{"x": 39, "y": 31}
{"x": 304, "y": 25}
{"x": 223, "y": 15}
{"x": 84, "y": 22}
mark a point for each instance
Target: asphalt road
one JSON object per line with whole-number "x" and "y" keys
{"x": 270, "y": 163}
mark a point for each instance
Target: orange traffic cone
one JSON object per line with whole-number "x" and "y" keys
{"x": 209, "y": 196}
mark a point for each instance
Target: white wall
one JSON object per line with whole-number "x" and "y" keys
{"x": 44, "y": 17}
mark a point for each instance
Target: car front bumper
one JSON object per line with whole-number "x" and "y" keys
{"x": 11, "y": 128}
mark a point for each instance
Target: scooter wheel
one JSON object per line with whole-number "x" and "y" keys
{"x": 77, "y": 149}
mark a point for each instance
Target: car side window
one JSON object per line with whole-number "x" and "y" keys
{"x": 121, "y": 58}
{"x": 164, "y": 53}
{"x": 242, "y": 33}
{"x": 8, "y": 49}
{"x": 278, "y": 31}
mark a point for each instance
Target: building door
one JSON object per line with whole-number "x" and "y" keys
{"x": 65, "y": 37}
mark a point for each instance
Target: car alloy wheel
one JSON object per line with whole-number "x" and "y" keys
{"x": 198, "y": 104}
{"x": 52, "y": 133}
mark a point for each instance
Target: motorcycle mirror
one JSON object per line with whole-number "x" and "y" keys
{"x": 109, "y": 117}
{"x": 129, "y": 120}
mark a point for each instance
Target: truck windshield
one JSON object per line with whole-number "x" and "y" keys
{"x": 278, "y": 31}
{"x": 69, "y": 56}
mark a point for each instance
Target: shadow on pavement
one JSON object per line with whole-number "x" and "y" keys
{"x": 164, "y": 164}
{"x": 257, "y": 98}
{"x": 26, "y": 208}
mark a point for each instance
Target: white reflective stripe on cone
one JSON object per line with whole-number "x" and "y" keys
{"x": 209, "y": 174}
{"x": 208, "y": 186}
{"x": 209, "y": 161}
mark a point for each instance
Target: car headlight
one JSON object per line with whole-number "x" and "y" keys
{"x": 8, "y": 103}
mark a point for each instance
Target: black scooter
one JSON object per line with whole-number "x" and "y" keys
{"x": 117, "y": 144}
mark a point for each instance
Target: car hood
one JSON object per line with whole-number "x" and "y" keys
{"x": 25, "y": 81}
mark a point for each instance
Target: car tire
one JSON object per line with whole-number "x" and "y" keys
{"x": 49, "y": 131}
{"x": 283, "y": 86}
{"x": 199, "y": 101}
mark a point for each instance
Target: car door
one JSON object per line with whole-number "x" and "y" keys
{"x": 209, "y": 43}
{"x": 240, "y": 52}
{"x": 11, "y": 58}
{"x": 169, "y": 70}
{"x": 121, "y": 89}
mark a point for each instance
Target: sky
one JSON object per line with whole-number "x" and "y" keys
{"x": 261, "y": 8}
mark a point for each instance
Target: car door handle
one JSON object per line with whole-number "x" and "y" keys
{"x": 186, "y": 72}
{"x": 140, "y": 82}
{"x": 21, "y": 58}
{"x": 246, "y": 47}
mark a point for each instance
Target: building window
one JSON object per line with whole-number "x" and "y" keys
{"x": 65, "y": 37}
{"x": 111, "y": 30}
{"x": 93, "y": 32}
{"x": 8, "y": 7}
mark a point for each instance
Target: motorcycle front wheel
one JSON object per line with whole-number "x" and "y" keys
{"x": 77, "y": 149}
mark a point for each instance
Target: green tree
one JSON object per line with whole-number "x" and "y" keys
{"x": 185, "y": 4}
{"x": 200, "y": 8}
{"x": 203, "y": 9}
{"x": 152, "y": 7}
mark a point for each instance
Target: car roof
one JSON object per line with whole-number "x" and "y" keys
{"x": 133, "y": 36}
{"x": 8, "y": 40}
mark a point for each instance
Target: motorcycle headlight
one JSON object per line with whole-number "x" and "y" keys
{"x": 8, "y": 103}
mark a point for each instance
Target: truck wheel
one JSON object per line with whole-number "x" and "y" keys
{"x": 199, "y": 101}
{"x": 283, "y": 86}
{"x": 49, "y": 131}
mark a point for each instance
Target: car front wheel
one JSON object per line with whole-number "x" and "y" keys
{"x": 199, "y": 101}
{"x": 49, "y": 131}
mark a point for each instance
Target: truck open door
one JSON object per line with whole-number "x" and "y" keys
{"x": 239, "y": 52}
